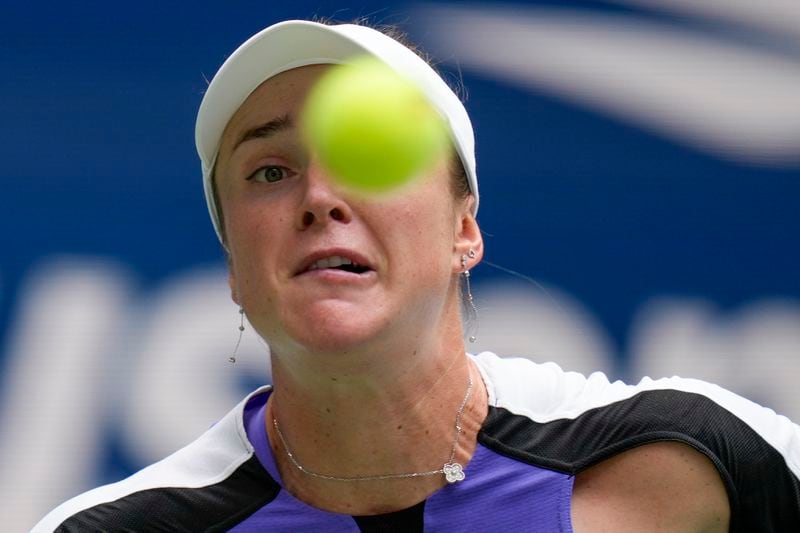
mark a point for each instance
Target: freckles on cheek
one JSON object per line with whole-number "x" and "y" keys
{"x": 253, "y": 226}
{"x": 411, "y": 219}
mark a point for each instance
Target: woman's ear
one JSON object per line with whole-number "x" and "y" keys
{"x": 468, "y": 240}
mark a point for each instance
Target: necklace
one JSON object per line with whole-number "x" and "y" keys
{"x": 452, "y": 471}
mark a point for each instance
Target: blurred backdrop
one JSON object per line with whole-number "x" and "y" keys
{"x": 639, "y": 163}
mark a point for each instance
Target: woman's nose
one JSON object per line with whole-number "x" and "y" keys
{"x": 322, "y": 200}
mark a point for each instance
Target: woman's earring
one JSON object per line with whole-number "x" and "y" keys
{"x": 470, "y": 300}
{"x": 232, "y": 358}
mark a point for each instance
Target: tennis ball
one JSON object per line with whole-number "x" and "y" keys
{"x": 372, "y": 128}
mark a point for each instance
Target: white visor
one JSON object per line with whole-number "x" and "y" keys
{"x": 297, "y": 43}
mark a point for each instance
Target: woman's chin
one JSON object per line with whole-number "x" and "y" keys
{"x": 333, "y": 328}
{"x": 336, "y": 341}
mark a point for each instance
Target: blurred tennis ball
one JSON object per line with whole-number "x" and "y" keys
{"x": 372, "y": 128}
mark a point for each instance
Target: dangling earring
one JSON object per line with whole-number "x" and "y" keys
{"x": 232, "y": 358}
{"x": 470, "y": 300}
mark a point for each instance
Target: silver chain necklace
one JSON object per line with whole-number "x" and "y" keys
{"x": 452, "y": 471}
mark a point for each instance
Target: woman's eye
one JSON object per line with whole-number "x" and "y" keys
{"x": 270, "y": 174}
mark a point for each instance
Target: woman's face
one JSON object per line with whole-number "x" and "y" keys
{"x": 288, "y": 226}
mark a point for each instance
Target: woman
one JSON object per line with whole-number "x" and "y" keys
{"x": 378, "y": 419}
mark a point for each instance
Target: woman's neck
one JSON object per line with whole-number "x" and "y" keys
{"x": 397, "y": 419}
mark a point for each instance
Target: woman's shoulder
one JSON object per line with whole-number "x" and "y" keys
{"x": 667, "y": 486}
{"x": 568, "y": 422}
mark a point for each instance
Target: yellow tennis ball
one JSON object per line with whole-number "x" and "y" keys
{"x": 372, "y": 128}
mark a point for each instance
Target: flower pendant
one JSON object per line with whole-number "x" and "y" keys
{"x": 453, "y": 472}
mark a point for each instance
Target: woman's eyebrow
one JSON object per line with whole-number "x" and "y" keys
{"x": 266, "y": 130}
